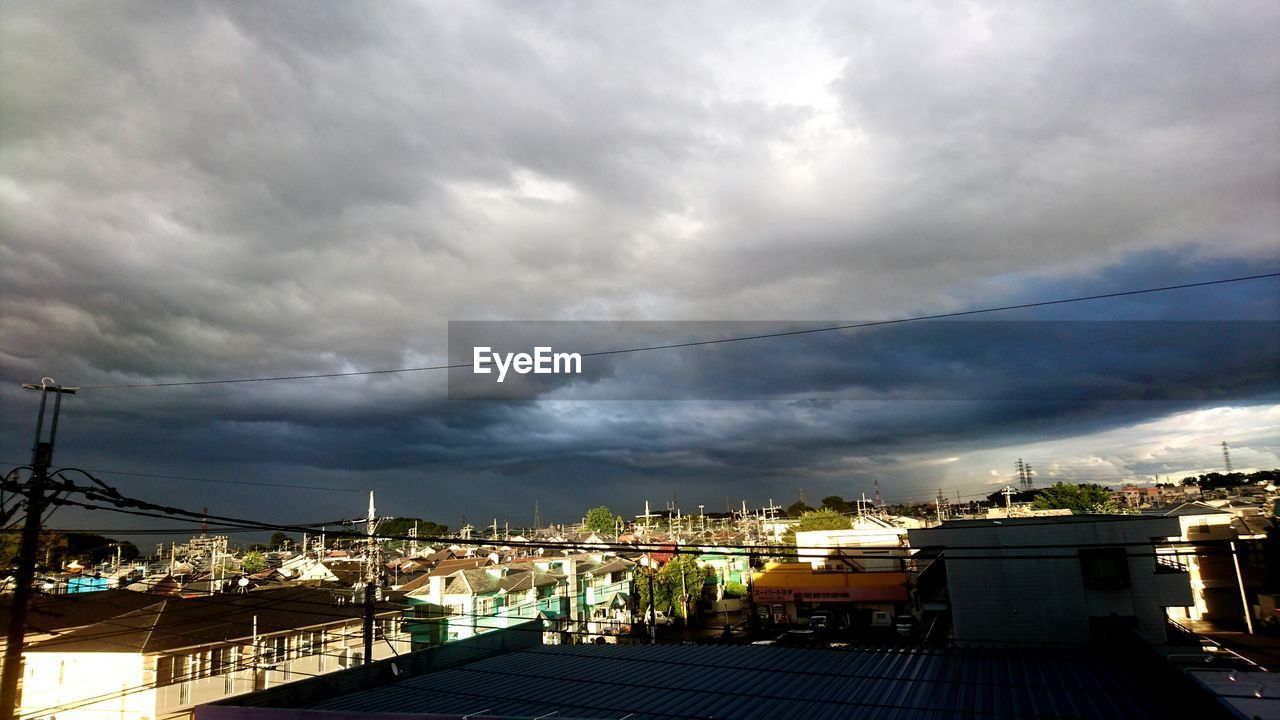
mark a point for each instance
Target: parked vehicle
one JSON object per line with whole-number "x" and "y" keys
{"x": 661, "y": 618}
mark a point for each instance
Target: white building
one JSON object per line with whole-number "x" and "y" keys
{"x": 871, "y": 544}
{"x": 1056, "y": 579}
{"x": 159, "y": 662}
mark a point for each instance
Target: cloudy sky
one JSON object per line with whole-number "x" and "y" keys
{"x": 197, "y": 191}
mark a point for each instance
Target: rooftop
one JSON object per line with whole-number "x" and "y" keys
{"x": 1052, "y": 520}
{"x": 171, "y": 623}
{"x": 742, "y": 681}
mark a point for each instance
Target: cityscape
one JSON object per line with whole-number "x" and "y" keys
{"x": 639, "y": 361}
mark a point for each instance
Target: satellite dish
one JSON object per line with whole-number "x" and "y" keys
{"x": 243, "y": 582}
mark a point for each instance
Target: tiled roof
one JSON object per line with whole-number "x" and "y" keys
{"x": 171, "y": 623}
{"x": 49, "y": 613}
{"x": 448, "y": 567}
{"x": 1186, "y": 508}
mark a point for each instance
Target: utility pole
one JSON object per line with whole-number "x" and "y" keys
{"x": 372, "y": 568}
{"x": 1007, "y": 491}
{"x": 41, "y": 460}
{"x": 653, "y": 614}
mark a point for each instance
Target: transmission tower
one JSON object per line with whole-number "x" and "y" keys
{"x": 1226, "y": 456}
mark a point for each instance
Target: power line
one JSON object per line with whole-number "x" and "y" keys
{"x": 256, "y": 483}
{"x": 700, "y": 343}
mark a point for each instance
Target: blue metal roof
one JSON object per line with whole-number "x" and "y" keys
{"x": 767, "y": 682}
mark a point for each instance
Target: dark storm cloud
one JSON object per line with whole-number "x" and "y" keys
{"x": 195, "y": 190}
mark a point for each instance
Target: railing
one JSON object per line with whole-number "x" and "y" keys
{"x": 1170, "y": 563}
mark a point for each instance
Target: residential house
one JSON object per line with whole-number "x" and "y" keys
{"x": 159, "y": 661}
{"x": 1210, "y": 545}
{"x": 341, "y": 572}
{"x": 575, "y": 595}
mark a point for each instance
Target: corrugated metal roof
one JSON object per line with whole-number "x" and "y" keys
{"x": 761, "y": 683}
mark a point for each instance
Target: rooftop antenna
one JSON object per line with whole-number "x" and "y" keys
{"x": 1226, "y": 456}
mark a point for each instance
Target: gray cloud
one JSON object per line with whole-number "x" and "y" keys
{"x": 200, "y": 190}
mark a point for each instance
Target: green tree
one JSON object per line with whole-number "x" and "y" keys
{"x": 735, "y": 589}
{"x": 652, "y": 586}
{"x": 401, "y": 527}
{"x": 817, "y": 520}
{"x": 1079, "y": 499}
{"x": 685, "y": 577}
{"x": 836, "y": 503}
{"x": 600, "y": 520}
{"x": 798, "y": 508}
{"x": 253, "y": 562}
{"x": 676, "y": 586}
{"x": 50, "y": 544}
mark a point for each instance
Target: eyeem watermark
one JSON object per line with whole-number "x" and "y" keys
{"x": 543, "y": 361}
{"x": 997, "y": 360}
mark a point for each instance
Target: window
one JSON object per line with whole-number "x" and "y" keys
{"x": 164, "y": 670}
{"x": 1104, "y": 568}
{"x": 307, "y": 646}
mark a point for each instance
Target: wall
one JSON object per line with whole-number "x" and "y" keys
{"x": 54, "y": 679}
{"x": 1031, "y": 591}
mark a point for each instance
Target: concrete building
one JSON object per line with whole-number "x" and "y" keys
{"x": 1056, "y": 579}
{"x": 790, "y": 593}
{"x": 872, "y": 544}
